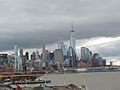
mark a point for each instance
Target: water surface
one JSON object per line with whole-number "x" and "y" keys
{"x": 94, "y": 81}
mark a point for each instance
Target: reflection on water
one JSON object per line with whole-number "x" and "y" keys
{"x": 94, "y": 81}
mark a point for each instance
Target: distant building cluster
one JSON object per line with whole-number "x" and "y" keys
{"x": 91, "y": 60}
{"x": 63, "y": 56}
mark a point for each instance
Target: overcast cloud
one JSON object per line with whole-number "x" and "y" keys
{"x": 31, "y": 23}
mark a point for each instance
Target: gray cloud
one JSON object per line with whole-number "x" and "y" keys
{"x": 30, "y": 23}
{"x": 112, "y": 49}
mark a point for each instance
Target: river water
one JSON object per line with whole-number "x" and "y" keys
{"x": 93, "y": 81}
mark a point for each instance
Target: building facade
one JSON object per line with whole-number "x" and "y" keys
{"x": 58, "y": 55}
{"x": 86, "y": 57}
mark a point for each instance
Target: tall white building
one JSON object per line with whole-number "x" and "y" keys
{"x": 72, "y": 39}
{"x": 44, "y": 57}
{"x": 16, "y": 65}
{"x": 72, "y": 50}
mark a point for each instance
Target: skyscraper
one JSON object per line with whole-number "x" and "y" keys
{"x": 33, "y": 56}
{"x": 44, "y": 57}
{"x": 86, "y": 57}
{"x": 60, "y": 45}
{"x": 21, "y": 52}
{"x": 3, "y": 59}
{"x": 37, "y": 55}
{"x": 63, "y": 47}
{"x": 16, "y": 58}
{"x": 58, "y": 55}
{"x": 86, "y": 54}
{"x": 72, "y": 39}
{"x": 43, "y": 53}
{"x": 71, "y": 49}
{"x": 27, "y": 55}
{"x": 96, "y": 61}
{"x": 72, "y": 57}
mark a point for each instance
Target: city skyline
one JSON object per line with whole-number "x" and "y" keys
{"x": 60, "y": 57}
{"x": 28, "y": 24}
{"x": 93, "y": 47}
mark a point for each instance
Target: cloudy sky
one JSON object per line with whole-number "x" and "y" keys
{"x": 31, "y": 23}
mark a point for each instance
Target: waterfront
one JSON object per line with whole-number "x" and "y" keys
{"x": 94, "y": 81}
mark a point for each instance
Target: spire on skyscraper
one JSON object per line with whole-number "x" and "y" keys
{"x": 72, "y": 28}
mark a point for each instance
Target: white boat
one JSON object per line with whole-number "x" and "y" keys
{"x": 81, "y": 70}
